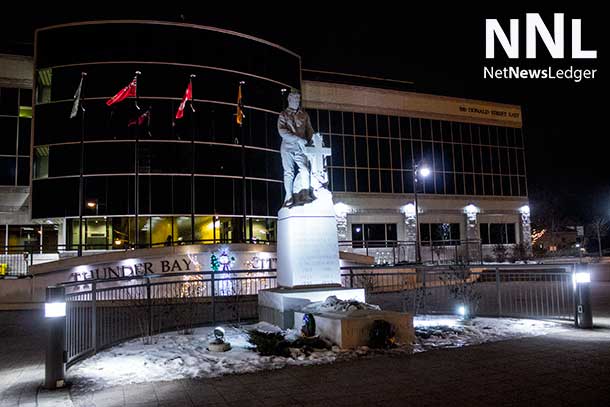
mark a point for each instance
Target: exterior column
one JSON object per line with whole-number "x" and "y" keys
{"x": 473, "y": 243}
{"x": 341, "y": 211}
{"x": 408, "y": 250}
{"x": 526, "y": 228}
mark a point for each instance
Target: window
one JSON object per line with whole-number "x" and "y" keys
{"x": 498, "y": 233}
{"x": 375, "y": 234}
{"x": 439, "y": 234}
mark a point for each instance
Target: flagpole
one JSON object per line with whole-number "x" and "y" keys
{"x": 243, "y": 163}
{"x": 137, "y": 172}
{"x": 192, "y": 162}
{"x": 83, "y": 75}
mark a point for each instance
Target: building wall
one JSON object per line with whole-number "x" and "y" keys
{"x": 188, "y": 167}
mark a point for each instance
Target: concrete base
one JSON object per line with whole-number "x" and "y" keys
{"x": 350, "y": 330}
{"x": 277, "y": 305}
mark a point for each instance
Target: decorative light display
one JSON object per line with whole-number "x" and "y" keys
{"x": 224, "y": 260}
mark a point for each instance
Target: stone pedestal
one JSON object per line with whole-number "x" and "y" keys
{"x": 277, "y": 306}
{"x": 307, "y": 262}
{"x": 350, "y": 330}
{"x": 307, "y": 247}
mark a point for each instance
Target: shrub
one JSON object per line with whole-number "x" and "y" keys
{"x": 269, "y": 343}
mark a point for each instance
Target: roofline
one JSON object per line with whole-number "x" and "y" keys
{"x": 169, "y": 23}
{"x": 401, "y": 92}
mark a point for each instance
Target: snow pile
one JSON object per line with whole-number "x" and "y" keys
{"x": 448, "y": 332}
{"x": 333, "y": 304}
{"x": 174, "y": 356}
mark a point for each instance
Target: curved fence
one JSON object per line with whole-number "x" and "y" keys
{"x": 101, "y": 313}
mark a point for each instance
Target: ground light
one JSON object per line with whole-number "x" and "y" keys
{"x": 55, "y": 319}
{"x": 582, "y": 298}
{"x": 54, "y": 309}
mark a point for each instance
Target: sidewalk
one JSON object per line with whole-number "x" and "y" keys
{"x": 571, "y": 368}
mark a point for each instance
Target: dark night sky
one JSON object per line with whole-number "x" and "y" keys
{"x": 443, "y": 54}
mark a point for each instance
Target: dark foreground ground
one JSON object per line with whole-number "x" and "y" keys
{"x": 569, "y": 368}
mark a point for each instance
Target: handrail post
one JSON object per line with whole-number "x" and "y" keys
{"x": 213, "y": 296}
{"x": 94, "y": 315}
{"x": 149, "y": 305}
{"x": 498, "y": 296}
{"x": 423, "y": 288}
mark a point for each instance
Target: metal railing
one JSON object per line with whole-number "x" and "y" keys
{"x": 391, "y": 252}
{"x": 101, "y": 313}
{"x": 526, "y": 291}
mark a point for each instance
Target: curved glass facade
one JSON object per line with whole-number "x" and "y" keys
{"x": 197, "y": 178}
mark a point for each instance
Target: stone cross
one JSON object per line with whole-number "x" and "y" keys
{"x": 316, "y": 155}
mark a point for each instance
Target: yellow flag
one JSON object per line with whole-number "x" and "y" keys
{"x": 239, "y": 116}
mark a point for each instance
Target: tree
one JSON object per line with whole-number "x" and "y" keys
{"x": 598, "y": 228}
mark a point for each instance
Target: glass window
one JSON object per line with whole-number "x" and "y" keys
{"x": 337, "y": 179}
{"x": 386, "y": 181}
{"x": 8, "y": 168}
{"x": 440, "y": 234}
{"x": 8, "y": 135}
{"x": 393, "y": 127}
{"x": 336, "y": 145}
{"x": 426, "y": 129}
{"x": 396, "y": 163}
{"x": 374, "y": 179}
{"x": 25, "y": 126}
{"x": 8, "y": 101}
{"x": 362, "y": 180}
{"x": 373, "y": 152}
{"x": 350, "y": 180}
{"x": 323, "y": 121}
{"x": 182, "y": 229}
{"x": 382, "y": 126}
{"x": 360, "y": 124}
{"x": 371, "y": 125}
{"x": 357, "y": 235}
{"x": 204, "y": 229}
{"x": 361, "y": 152}
{"x": 350, "y": 157}
{"x": 23, "y": 171}
{"x": 397, "y": 182}
{"x": 336, "y": 125}
{"x": 498, "y": 233}
{"x": 348, "y": 123}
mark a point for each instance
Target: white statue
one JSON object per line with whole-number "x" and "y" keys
{"x": 294, "y": 126}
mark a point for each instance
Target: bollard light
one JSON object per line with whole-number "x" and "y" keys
{"x": 582, "y": 277}
{"x": 461, "y": 311}
{"x": 54, "y": 309}
{"x": 55, "y": 321}
{"x": 583, "y": 314}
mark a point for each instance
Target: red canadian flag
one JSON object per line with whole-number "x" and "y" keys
{"x": 188, "y": 95}
{"x": 127, "y": 91}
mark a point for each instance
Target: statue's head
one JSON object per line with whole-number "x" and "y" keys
{"x": 294, "y": 99}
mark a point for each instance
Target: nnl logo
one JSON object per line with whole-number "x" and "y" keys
{"x": 534, "y": 25}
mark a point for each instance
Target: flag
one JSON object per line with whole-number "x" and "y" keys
{"x": 239, "y": 116}
{"x": 127, "y": 91}
{"x": 77, "y": 94}
{"x": 144, "y": 118}
{"x": 188, "y": 95}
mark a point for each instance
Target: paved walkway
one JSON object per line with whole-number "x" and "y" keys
{"x": 571, "y": 368}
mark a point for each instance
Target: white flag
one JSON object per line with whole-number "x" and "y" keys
{"x": 76, "y": 104}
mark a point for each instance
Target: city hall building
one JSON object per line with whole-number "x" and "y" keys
{"x": 131, "y": 174}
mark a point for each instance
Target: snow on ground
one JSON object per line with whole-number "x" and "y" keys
{"x": 442, "y": 331}
{"x": 174, "y": 356}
